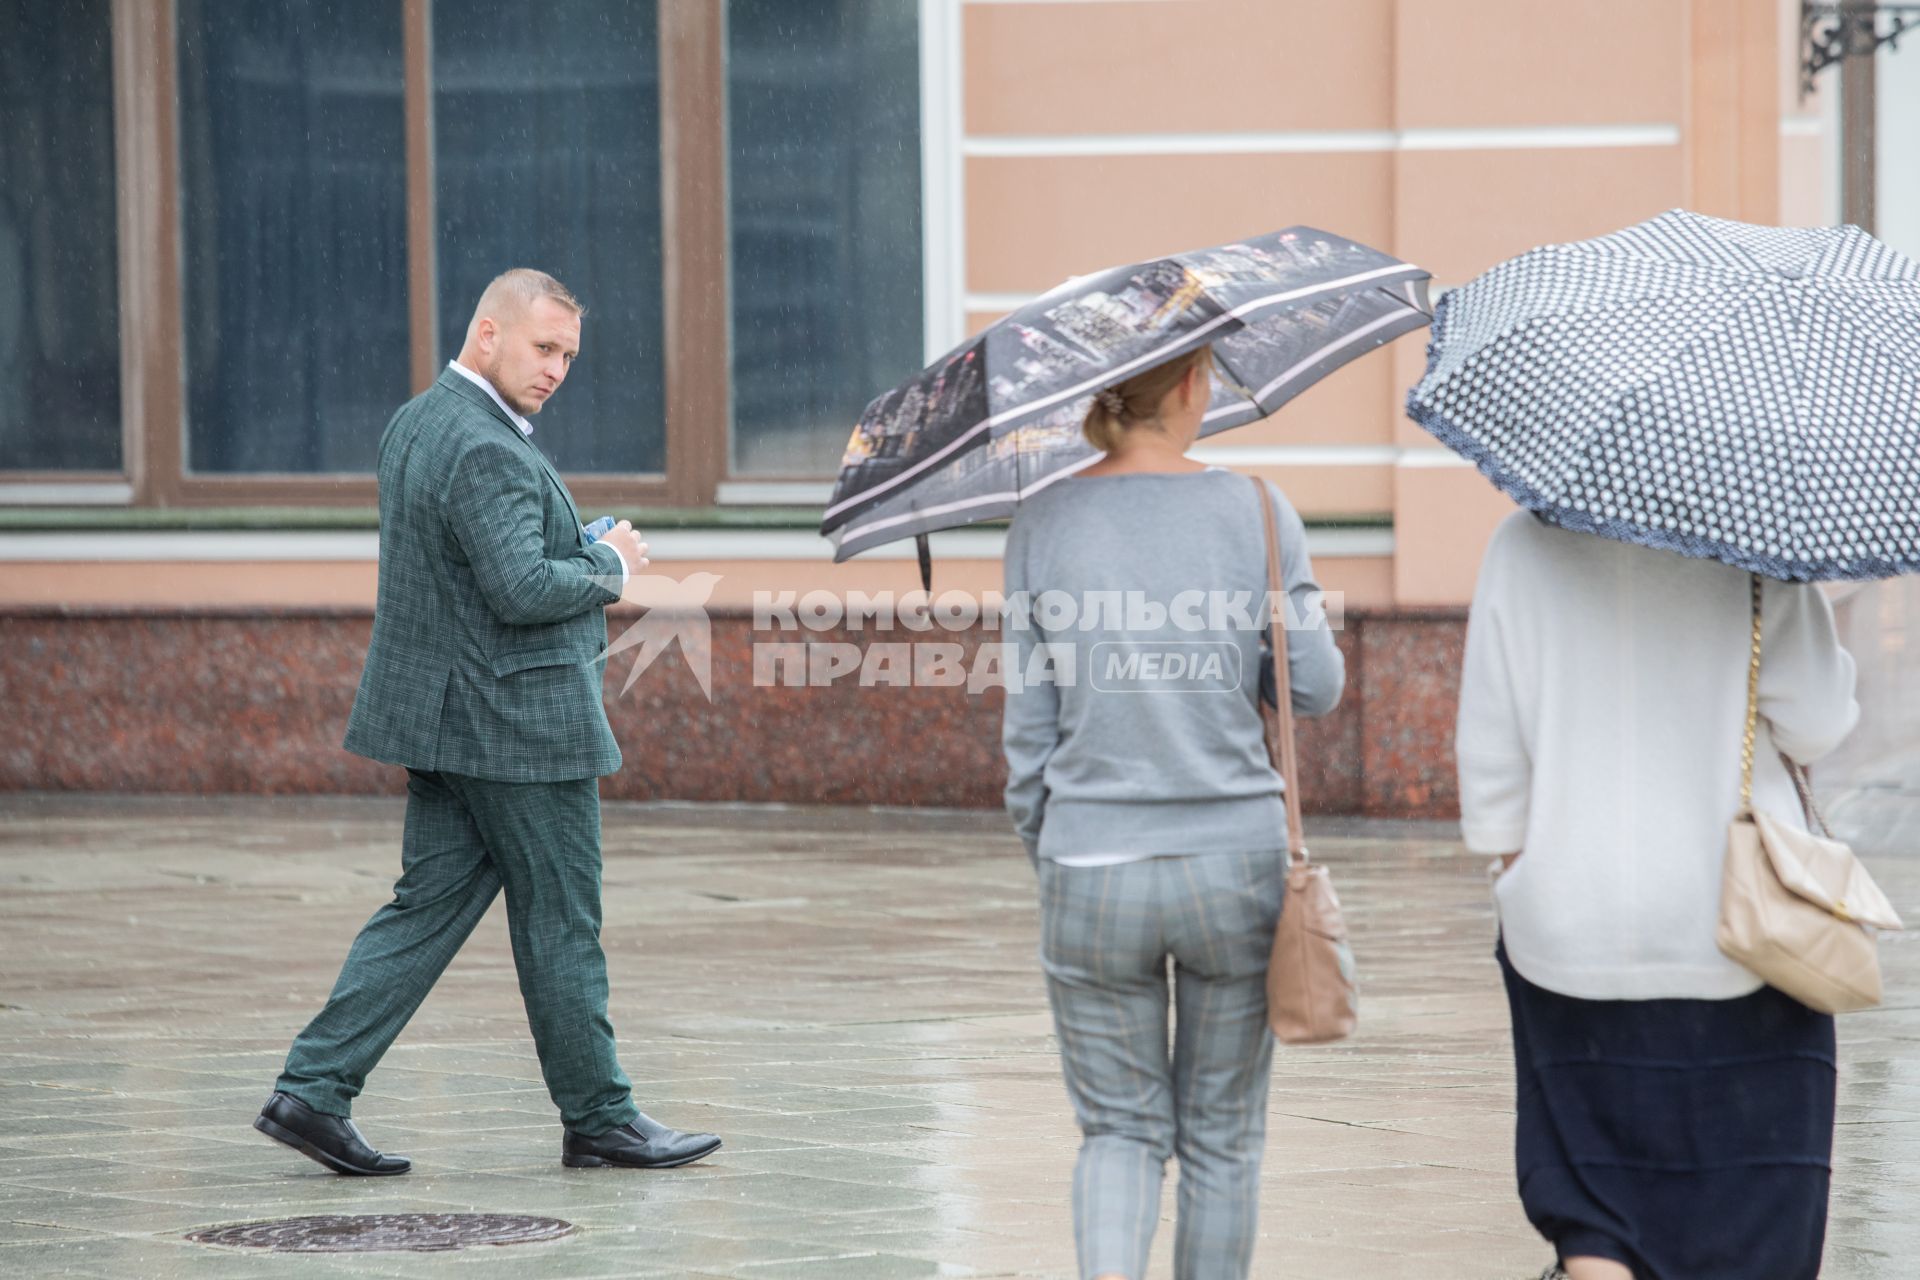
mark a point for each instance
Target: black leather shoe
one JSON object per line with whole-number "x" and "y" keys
{"x": 644, "y": 1144}
{"x": 333, "y": 1141}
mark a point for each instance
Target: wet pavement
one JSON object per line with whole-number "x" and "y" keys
{"x": 850, "y": 998}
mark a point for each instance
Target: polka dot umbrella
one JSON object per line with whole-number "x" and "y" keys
{"x": 1745, "y": 393}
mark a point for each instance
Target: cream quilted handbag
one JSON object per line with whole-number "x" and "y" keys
{"x": 1797, "y": 908}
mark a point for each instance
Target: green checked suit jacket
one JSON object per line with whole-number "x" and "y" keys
{"x": 489, "y": 616}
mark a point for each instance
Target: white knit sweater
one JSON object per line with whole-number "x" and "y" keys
{"x": 1601, "y": 708}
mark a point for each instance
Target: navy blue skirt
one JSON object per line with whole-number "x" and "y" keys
{"x": 1685, "y": 1139}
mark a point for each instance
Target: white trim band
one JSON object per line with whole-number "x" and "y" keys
{"x": 1296, "y": 455}
{"x": 1319, "y": 141}
{"x": 221, "y": 546}
{"x": 105, "y": 493}
{"x": 1017, "y": 146}
{"x": 668, "y": 549}
{"x": 1437, "y": 456}
{"x": 1218, "y": 455}
{"x": 794, "y": 493}
{"x": 1542, "y": 138}
{"x": 984, "y": 302}
{"x": 998, "y": 301}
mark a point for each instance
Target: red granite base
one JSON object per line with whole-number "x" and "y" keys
{"x": 257, "y": 703}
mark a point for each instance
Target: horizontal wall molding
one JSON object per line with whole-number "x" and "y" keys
{"x": 106, "y": 493}
{"x": 1315, "y": 455}
{"x": 1009, "y": 146}
{"x": 1436, "y": 456}
{"x": 1307, "y": 141}
{"x": 1541, "y": 138}
{"x": 666, "y": 549}
{"x": 791, "y": 493}
{"x": 998, "y": 301}
{"x": 812, "y": 493}
{"x": 977, "y": 303}
{"x": 1296, "y": 455}
{"x": 817, "y": 493}
{"x": 222, "y": 547}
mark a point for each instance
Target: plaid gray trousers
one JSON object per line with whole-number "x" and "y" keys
{"x": 1106, "y": 936}
{"x": 466, "y": 839}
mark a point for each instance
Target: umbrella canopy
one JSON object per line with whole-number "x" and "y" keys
{"x": 1749, "y": 394}
{"x": 998, "y": 418}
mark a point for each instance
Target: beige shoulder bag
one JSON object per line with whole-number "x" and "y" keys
{"x": 1312, "y": 996}
{"x": 1796, "y": 908}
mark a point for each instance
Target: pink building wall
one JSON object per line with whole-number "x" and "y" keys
{"x": 1080, "y": 133}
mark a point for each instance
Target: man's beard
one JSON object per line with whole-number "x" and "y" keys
{"x": 491, "y": 373}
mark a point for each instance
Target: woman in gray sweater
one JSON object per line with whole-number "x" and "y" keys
{"x": 1138, "y": 778}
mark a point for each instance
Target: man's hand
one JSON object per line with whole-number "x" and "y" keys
{"x": 623, "y": 539}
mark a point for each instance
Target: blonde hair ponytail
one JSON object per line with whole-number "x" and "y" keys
{"x": 1136, "y": 402}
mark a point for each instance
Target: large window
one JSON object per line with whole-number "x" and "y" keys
{"x": 59, "y": 279}
{"x": 823, "y": 105}
{"x": 547, "y": 154}
{"x": 297, "y": 203}
{"x": 294, "y": 183}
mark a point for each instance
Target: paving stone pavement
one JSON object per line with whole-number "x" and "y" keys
{"x": 849, "y": 997}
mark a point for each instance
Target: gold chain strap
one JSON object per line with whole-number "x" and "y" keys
{"x": 1753, "y": 708}
{"x": 1801, "y": 782}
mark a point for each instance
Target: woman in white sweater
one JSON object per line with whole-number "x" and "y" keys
{"x": 1675, "y": 1116}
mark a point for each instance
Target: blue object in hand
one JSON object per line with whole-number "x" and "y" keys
{"x": 599, "y": 528}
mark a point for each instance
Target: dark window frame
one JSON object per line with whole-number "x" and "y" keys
{"x": 747, "y": 478}
{"x": 152, "y": 355}
{"x": 694, "y": 285}
{"x": 53, "y": 479}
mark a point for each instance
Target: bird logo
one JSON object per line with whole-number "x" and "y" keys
{"x": 676, "y": 609}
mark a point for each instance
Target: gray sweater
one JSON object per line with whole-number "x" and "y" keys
{"x": 1140, "y": 734}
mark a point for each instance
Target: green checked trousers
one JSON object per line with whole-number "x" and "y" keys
{"x": 467, "y": 839}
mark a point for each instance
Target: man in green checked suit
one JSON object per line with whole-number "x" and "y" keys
{"x": 482, "y": 681}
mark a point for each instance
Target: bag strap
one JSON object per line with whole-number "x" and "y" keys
{"x": 1278, "y": 721}
{"x": 1809, "y": 806}
{"x": 1795, "y": 770}
{"x": 1753, "y": 706}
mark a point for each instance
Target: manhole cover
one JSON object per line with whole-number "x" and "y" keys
{"x": 377, "y": 1232}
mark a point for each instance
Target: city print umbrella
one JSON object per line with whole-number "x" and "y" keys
{"x": 998, "y": 418}
{"x": 1749, "y": 394}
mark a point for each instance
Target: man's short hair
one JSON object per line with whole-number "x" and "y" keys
{"x": 520, "y": 288}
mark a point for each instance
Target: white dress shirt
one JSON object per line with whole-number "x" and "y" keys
{"x": 526, "y": 429}
{"x": 480, "y": 381}
{"x": 1601, "y": 708}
